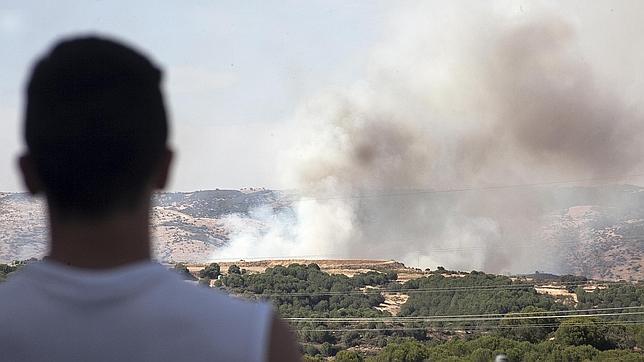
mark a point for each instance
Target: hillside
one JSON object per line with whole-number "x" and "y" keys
{"x": 597, "y": 232}
{"x": 381, "y": 310}
{"x": 186, "y": 226}
{"x": 363, "y": 309}
{"x": 348, "y": 267}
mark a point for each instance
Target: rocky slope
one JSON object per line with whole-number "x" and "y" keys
{"x": 186, "y": 226}
{"x": 598, "y": 232}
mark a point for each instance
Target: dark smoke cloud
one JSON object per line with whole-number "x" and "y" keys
{"x": 550, "y": 107}
{"x": 481, "y": 103}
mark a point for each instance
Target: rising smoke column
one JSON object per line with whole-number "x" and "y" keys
{"x": 448, "y": 105}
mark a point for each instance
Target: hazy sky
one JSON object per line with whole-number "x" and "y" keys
{"x": 237, "y": 70}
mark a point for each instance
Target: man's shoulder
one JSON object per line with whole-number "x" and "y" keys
{"x": 13, "y": 289}
{"x": 150, "y": 287}
{"x": 150, "y": 302}
{"x": 145, "y": 311}
{"x": 184, "y": 293}
{"x": 211, "y": 317}
{"x": 19, "y": 301}
{"x": 199, "y": 304}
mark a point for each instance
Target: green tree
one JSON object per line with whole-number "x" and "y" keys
{"x": 234, "y": 269}
{"x": 527, "y": 329}
{"x": 183, "y": 271}
{"x": 351, "y": 338}
{"x": 212, "y": 271}
{"x": 482, "y": 355}
{"x": 409, "y": 351}
{"x": 309, "y": 358}
{"x": 348, "y": 356}
{"x": 619, "y": 355}
{"x": 585, "y": 331}
{"x": 497, "y": 294}
{"x": 391, "y": 275}
{"x": 579, "y": 353}
{"x": 234, "y": 281}
{"x": 4, "y": 271}
{"x": 327, "y": 349}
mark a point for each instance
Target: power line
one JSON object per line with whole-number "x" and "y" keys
{"x": 563, "y": 312}
{"x": 454, "y": 319}
{"x": 466, "y": 328}
{"x": 399, "y": 291}
{"x": 553, "y": 243}
{"x": 426, "y": 290}
{"x": 462, "y": 328}
{"x": 457, "y": 190}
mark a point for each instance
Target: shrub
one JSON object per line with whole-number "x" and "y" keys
{"x": 212, "y": 271}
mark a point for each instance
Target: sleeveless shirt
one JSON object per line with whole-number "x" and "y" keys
{"x": 138, "y": 312}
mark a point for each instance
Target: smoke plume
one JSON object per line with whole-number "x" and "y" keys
{"x": 466, "y": 104}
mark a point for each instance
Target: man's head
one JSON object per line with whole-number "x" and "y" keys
{"x": 95, "y": 128}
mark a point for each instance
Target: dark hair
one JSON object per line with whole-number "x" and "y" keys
{"x": 95, "y": 125}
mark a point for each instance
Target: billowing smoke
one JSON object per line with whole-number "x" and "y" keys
{"x": 464, "y": 105}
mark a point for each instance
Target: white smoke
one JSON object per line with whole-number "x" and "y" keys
{"x": 470, "y": 98}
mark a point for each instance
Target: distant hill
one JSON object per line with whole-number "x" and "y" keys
{"x": 215, "y": 203}
{"x": 186, "y": 225}
{"x": 599, "y": 231}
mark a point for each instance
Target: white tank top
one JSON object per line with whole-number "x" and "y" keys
{"x": 140, "y": 312}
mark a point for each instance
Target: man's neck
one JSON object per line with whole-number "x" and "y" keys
{"x": 117, "y": 240}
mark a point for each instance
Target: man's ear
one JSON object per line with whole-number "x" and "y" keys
{"x": 29, "y": 175}
{"x": 164, "y": 169}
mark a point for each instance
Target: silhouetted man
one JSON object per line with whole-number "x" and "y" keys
{"x": 96, "y": 134}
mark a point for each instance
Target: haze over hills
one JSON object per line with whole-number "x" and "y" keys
{"x": 597, "y": 232}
